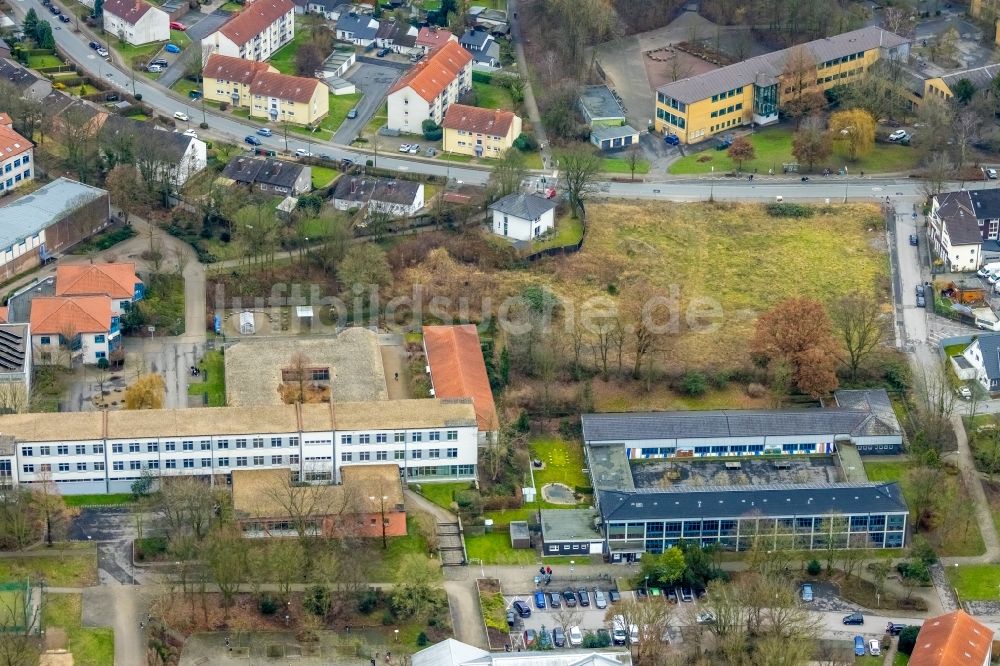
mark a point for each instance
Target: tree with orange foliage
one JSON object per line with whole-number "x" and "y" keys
{"x": 798, "y": 332}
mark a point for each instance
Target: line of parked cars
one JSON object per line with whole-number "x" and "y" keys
{"x": 411, "y": 148}
{"x": 101, "y": 51}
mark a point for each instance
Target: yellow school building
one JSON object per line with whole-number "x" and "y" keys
{"x": 702, "y": 106}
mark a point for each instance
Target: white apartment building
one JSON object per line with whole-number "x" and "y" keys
{"x": 429, "y": 88}
{"x": 105, "y": 452}
{"x": 255, "y": 33}
{"x": 17, "y": 157}
{"x": 136, "y": 21}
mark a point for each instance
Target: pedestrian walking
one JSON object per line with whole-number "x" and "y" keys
{"x": 373, "y": 661}
{"x": 142, "y": 625}
{"x": 548, "y": 570}
{"x": 397, "y": 376}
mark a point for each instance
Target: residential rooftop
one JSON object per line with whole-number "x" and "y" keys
{"x": 254, "y": 18}
{"x": 523, "y": 205}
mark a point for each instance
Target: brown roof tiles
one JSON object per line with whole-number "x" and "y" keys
{"x": 458, "y": 369}
{"x": 61, "y": 315}
{"x": 494, "y": 122}
{"x": 254, "y": 19}
{"x": 114, "y": 280}
{"x": 283, "y": 86}
{"x": 129, "y": 11}
{"x": 226, "y": 68}
{"x": 431, "y": 76}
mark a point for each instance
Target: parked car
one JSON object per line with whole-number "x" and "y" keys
{"x": 55, "y": 10}
{"x": 724, "y": 142}
{"x": 964, "y": 392}
{"x": 64, "y": 18}
{"x": 672, "y": 140}
{"x": 180, "y": 115}
{"x": 511, "y": 618}
{"x": 530, "y": 635}
{"x": 352, "y": 114}
{"x": 859, "y": 646}
{"x": 991, "y": 174}
{"x": 897, "y": 135}
{"x": 584, "y": 597}
{"x": 894, "y": 628}
{"x": 346, "y": 164}
{"x": 302, "y": 152}
{"x": 162, "y": 62}
{"x": 383, "y": 52}
{"x": 705, "y": 617}
{"x": 194, "y": 94}
{"x": 414, "y": 148}
{"x": 807, "y": 592}
{"x": 95, "y": 45}
{"x": 672, "y": 595}
{"x": 154, "y": 69}
{"x": 172, "y": 48}
{"x": 103, "y": 52}
{"x": 619, "y": 633}
{"x": 252, "y": 140}
{"x": 264, "y": 131}
{"x": 686, "y": 594}
{"x": 558, "y": 637}
{"x": 575, "y": 636}
{"x": 921, "y": 302}
{"x": 569, "y": 596}
{"x": 920, "y": 290}
{"x": 854, "y": 618}
{"x": 874, "y": 647}
{"x": 177, "y": 25}
{"x": 191, "y": 133}
{"x": 539, "y": 599}
{"x": 555, "y": 600}
{"x": 914, "y": 240}
{"x": 600, "y": 600}
{"x": 614, "y": 596}
{"x": 521, "y": 608}
{"x": 404, "y": 148}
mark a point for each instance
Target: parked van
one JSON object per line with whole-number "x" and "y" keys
{"x": 618, "y": 635}
{"x": 986, "y": 319}
{"x": 991, "y": 267}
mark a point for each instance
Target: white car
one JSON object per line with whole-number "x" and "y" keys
{"x": 191, "y": 133}
{"x": 404, "y": 148}
{"x": 180, "y": 115}
{"x": 103, "y": 52}
{"x": 897, "y": 135}
{"x": 874, "y": 648}
{"x": 991, "y": 174}
{"x": 964, "y": 392}
{"x": 302, "y": 152}
{"x": 705, "y": 617}
{"x": 414, "y": 149}
{"x": 575, "y": 636}
{"x": 154, "y": 69}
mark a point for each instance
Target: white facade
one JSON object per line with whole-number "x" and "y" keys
{"x": 408, "y": 110}
{"x": 16, "y": 170}
{"x": 152, "y": 26}
{"x": 259, "y": 47}
{"x": 102, "y": 464}
{"x": 194, "y": 160}
{"x": 92, "y": 347}
{"x": 518, "y": 228}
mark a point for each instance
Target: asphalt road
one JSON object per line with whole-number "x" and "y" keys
{"x": 374, "y": 81}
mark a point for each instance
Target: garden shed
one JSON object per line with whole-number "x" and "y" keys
{"x": 520, "y": 537}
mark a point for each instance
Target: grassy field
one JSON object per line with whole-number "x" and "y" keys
{"x": 569, "y": 230}
{"x": 948, "y": 539}
{"x": 975, "y": 581}
{"x": 489, "y": 96}
{"x": 442, "y": 494}
{"x": 98, "y": 500}
{"x": 377, "y": 120}
{"x": 62, "y": 571}
{"x": 494, "y": 548}
{"x": 620, "y": 165}
{"x": 399, "y": 547}
{"x": 734, "y": 255}
{"x": 774, "y": 147}
{"x": 284, "y": 59}
{"x": 322, "y": 176}
{"x": 213, "y": 368}
{"x": 185, "y": 86}
{"x": 90, "y": 647}
{"x": 339, "y": 106}
{"x": 563, "y": 462}
{"x": 147, "y": 51}
{"x": 49, "y": 60}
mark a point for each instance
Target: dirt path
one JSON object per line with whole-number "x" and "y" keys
{"x": 397, "y": 375}
{"x": 466, "y": 617}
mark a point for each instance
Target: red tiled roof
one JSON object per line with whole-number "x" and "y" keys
{"x": 129, "y": 11}
{"x": 955, "y": 639}
{"x": 114, "y": 280}
{"x": 431, "y": 76}
{"x": 474, "y": 119}
{"x": 251, "y": 21}
{"x": 458, "y": 369}
{"x": 62, "y": 315}
{"x": 283, "y": 86}
{"x": 12, "y": 143}
{"x": 5, "y": 119}
{"x": 434, "y": 37}
{"x": 226, "y": 68}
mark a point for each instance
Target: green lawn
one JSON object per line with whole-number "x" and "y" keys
{"x": 563, "y": 462}
{"x": 185, "y": 86}
{"x": 442, "y": 494}
{"x": 620, "y": 165}
{"x": 339, "y": 106}
{"x": 37, "y": 61}
{"x": 455, "y": 157}
{"x": 506, "y": 516}
{"x": 147, "y": 51}
{"x": 494, "y": 548}
{"x": 954, "y": 350}
{"x": 489, "y": 96}
{"x": 975, "y": 581}
{"x": 62, "y": 571}
{"x": 322, "y": 176}
{"x": 284, "y": 59}
{"x": 213, "y": 367}
{"x": 377, "y": 121}
{"x": 231, "y": 6}
{"x": 98, "y": 500}
{"x": 399, "y": 547}
{"x": 90, "y": 647}
{"x": 774, "y": 147}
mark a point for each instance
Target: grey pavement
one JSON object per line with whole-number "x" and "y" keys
{"x": 529, "y": 96}
{"x": 196, "y": 31}
{"x": 374, "y": 81}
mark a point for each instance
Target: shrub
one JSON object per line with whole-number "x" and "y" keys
{"x": 469, "y": 501}
{"x": 223, "y": 106}
{"x": 908, "y": 639}
{"x": 923, "y": 551}
{"x": 526, "y": 143}
{"x": 523, "y": 424}
{"x": 225, "y": 236}
{"x": 150, "y": 547}
{"x": 369, "y": 601}
{"x": 422, "y": 639}
{"x": 694, "y": 384}
{"x": 267, "y": 604}
{"x": 915, "y": 570}
{"x": 388, "y": 618}
{"x": 814, "y": 567}
{"x": 789, "y": 210}
{"x": 755, "y": 390}
{"x": 138, "y": 97}
{"x": 317, "y": 600}
{"x": 432, "y": 131}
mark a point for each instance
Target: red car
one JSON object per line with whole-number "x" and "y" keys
{"x": 174, "y": 25}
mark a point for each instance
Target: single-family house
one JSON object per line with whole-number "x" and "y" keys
{"x": 954, "y": 639}
{"x": 431, "y": 37}
{"x": 964, "y": 228}
{"x": 175, "y": 155}
{"x": 66, "y": 330}
{"x": 471, "y": 130}
{"x": 981, "y": 361}
{"x": 136, "y": 21}
{"x": 523, "y": 216}
{"x": 26, "y": 82}
{"x": 429, "y": 88}
{"x": 359, "y": 29}
{"x": 284, "y": 98}
{"x": 17, "y": 157}
{"x": 270, "y": 175}
{"x": 118, "y": 281}
{"x": 484, "y": 49}
{"x": 227, "y": 79}
{"x": 255, "y": 33}
{"x": 398, "y": 36}
{"x": 396, "y": 197}
{"x": 328, "y": 9}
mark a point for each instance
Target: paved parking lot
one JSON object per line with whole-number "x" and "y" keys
{"x": 374, "y": 81}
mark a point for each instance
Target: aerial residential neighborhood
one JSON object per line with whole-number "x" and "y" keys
{"x": 442, "y": 333}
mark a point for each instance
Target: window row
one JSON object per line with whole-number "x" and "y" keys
{"x": 847, "y": 58}
{"x": 398, "y": 437}
{"x": 671, "y": 102}
{"x": 732, "y": 108}
{"x": 398, "y": 454}
{"x": 763, "y": 526}
{"x": 184, "y": 463}
{"x": 154, "y": 447}
{"x": 676, "y": 121}
{"x": 29, "y": 468}
{"x": 726, "y": 95}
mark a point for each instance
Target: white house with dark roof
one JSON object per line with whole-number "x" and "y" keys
{"x": 400, "y": 198}
{"x": 268, "y": 175}
{"x": 359, "y": 29}
{"x": 523, "y": 216}
{"x": 484, "y": 49}
{"x": 136, "y": 21}
{"x": 981, "y": 361}
{"x": 964, "y": 228}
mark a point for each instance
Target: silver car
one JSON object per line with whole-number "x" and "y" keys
{"x": 600, "y": 600}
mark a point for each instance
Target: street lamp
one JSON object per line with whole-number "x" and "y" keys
{"x": 396, "y": 632}
{"x": 571, "y": 563}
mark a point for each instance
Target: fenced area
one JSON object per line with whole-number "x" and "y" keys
{"x": 18, "y": 607}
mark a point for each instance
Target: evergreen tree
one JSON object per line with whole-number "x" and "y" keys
{"x": 30, "y": 22}
{"x": 98, "y": 8}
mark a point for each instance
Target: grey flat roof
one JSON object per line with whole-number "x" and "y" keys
{"x": 774, "y": 501}
{"x": 609, "y": 468}
{"x": 19, "y": 304}
{"x": 50, "y": 203}
{"x": 598, "y": 102}
{"x": 569, "y": 525}
{"x": 770, "y": 65}
{"x": 604, "y": 132}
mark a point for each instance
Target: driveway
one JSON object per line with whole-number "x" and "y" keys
{"x": 374, "y": 81}
{"x": 199, "y": 27}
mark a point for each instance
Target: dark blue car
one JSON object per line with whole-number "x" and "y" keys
{"x": 672, "y": 140}
{"x": 252, "y": 140}
{"x": 859, "y": 646}
{"x": 539, "y": 599}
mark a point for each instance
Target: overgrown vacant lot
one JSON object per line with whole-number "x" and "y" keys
{"x": 735, "y": 255}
